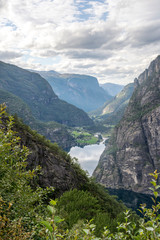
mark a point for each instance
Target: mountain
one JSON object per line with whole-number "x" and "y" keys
{"x": 134, "y": 149}
{"x": 32, "y": 172}
{"x": 57, "y": 169}
{"x": 51, "y": 130}
{"x": 119, "y": 101}
{"x": 36, "y": 92}
{"x": 112, "y": 88}
{"x": 80, "y": 90}
{"x": 113, "y": 110}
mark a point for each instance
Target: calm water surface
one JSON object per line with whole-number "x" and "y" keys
{"x": 88, "y": 156}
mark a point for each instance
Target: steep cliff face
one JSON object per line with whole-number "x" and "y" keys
{"x": 57, "y": 168}
{"x": 134, "y": 150}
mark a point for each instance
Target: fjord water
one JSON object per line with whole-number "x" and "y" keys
{"x": 88, "y": 156}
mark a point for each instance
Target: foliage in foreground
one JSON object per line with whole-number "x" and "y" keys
{"x": 21, "y": 206}
{"x": 147, "y": 228}
{"x": 25, "y": 215}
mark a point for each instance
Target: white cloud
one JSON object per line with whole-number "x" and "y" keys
{"x": 112, "y": 40}
{"x": 7, "y": 55}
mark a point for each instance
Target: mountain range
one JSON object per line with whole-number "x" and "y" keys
{"x": 36, "y": 92}
{"x": 53, "y": 131}
{"x": 83, "y": 91}
{"x": 31, "y": 97}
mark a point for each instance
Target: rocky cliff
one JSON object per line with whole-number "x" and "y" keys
{"x": 134, "y": 149}
{"x": 57, "y": 167}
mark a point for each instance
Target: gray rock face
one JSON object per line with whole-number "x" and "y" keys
{"x": 56, "y": 167}
{"x": 134, "y": 150}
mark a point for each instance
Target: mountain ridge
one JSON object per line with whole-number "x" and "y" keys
{"x": 37, "y": 93}
{"x": 134, "y": 148}
{"x": 112, "y": 88}
{"x": 83, "y": 91}
{"x": 112, "y": 111}
{"x": 53, "y": 131}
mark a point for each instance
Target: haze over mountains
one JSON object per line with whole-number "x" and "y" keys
{"x": 38, "y": 94}
{"x": 112, "y": 111}
{"x": 32, "y": 98}
{"x": 80, "y": 90}
{"x": 112, "y": 88}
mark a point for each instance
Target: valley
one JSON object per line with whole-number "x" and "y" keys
{"x": 80, "y": 90}
{"x": 79, "y": 120}
{"x": 116, "y": 145}
{"x": 70, "y": 127}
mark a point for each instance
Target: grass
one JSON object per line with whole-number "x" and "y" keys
{"x": 83, "y": 137}
{"x": 92, "y": 140}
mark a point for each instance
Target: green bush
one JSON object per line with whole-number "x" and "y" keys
{"x": 15, "y": 190}
{"x": 147, "y": 228}
{"x": 75, "y": 205}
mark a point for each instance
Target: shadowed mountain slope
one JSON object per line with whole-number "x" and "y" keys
{"x": 51, "y": 130}
{"x": 113, "y": 110}
{"x": 36, "y": 92}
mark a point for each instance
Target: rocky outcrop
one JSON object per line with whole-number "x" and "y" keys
{"x": 134, "y": 149}
{"x": 57, "y": 168}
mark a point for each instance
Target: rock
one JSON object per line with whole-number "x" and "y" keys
{"x": 57, "y": 169}
{"x": 134, "y": 150}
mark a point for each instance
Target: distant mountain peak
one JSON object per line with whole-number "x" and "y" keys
{"x": 112, "y": 88}
{"x": 83, "y": 91}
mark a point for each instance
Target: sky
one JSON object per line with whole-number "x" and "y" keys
{"x": 113, "y": 40}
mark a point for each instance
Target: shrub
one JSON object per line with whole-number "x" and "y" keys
{"x": 26, "y": 204}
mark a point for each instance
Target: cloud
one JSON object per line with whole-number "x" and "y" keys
{"x": 88, "y": 54}
{"x": 8, "y": 55}
{"x": 86, "y": 37}
{"x": 44, "y": 53}
{"x": 146, "y": 34}
{"x": 3, "y": 4}
{"x": 90, "y": 37}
